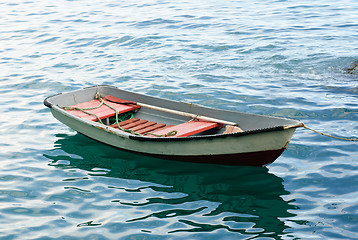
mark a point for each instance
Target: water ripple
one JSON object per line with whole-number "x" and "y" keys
{"x": 276, "y": 57}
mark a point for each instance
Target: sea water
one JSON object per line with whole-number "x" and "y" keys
{"x": 276, "y": 57}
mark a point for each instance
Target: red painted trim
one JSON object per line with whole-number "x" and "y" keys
{"x": 262, "y": 158}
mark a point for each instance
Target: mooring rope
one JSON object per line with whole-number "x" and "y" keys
{"x": 327, "y": 135}
{"x": 171, "y": 133}
{"x": 86, "y": 109}
{"x": 351, "y": 70}
{"x": 117, "y": 122}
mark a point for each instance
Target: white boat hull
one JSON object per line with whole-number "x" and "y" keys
{"x": 253, "y": 147}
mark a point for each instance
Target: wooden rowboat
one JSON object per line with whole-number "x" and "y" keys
{"x": 172, "y": 130}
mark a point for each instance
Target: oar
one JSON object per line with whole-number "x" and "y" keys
{"x": 185, "y": 114}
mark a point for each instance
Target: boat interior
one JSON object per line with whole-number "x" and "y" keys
{"x": 130, "y": 117}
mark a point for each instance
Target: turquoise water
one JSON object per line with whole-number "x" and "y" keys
{"x": 283, "y": 58}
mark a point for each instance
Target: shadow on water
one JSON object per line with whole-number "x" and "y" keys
{"x": 251, "y": 193}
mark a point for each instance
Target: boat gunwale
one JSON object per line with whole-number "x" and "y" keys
{"x": 168, "y": 139}
{"x": 47, "y": 103}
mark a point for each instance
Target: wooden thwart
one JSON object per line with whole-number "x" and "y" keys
{"x": 188, "y": 128}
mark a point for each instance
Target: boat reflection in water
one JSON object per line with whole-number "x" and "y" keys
{"x": 170, "y": 197}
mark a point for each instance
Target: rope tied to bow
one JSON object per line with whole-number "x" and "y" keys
{"x": 301, "y": 124}
{"x": 327, "y": 135}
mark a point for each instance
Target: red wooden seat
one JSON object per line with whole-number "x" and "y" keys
{"x": 183, "y": 130}
{"x": 187, "y": 129}
{"x": 103, "y": 111}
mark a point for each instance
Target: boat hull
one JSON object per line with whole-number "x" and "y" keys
{"x": 263, "y": 140}
{"x": 255, "y": 149}
{"x": 259, "y": 158}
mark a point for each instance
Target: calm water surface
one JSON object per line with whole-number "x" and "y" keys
{"x": 284, "y": 58}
